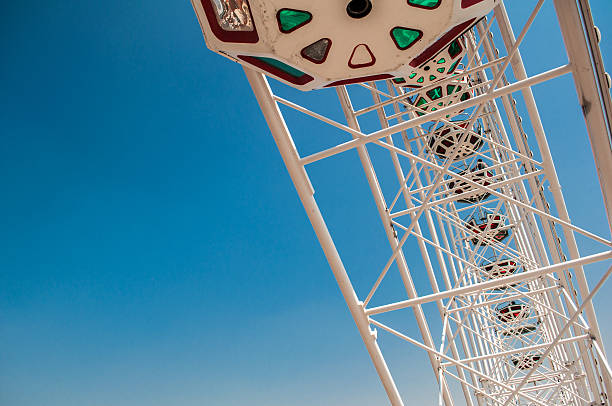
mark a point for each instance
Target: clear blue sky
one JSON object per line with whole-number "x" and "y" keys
{"x": 153, "y": 250}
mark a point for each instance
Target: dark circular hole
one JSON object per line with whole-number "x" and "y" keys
{"x": 359, "y": 8}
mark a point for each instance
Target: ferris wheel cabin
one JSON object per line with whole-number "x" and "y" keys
{"x": 490, "y": 228}
{"x": 452, "y": 140}
{"x": 305, "y": 43}
{"x": 513, "y": 312}
{"x": 477, "y": 174}
{"x": 499, "y": 269}
{"x": 527, "y": 361}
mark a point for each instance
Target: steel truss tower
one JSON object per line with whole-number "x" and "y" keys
{"x": 476, "y": 191}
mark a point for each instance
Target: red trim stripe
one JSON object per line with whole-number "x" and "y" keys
{"x": 469, "y": 3}
{"x": 359, "y": 80}
{"x": 441, "y": 43}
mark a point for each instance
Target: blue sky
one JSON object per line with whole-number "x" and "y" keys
{"x": 154, "y": 251}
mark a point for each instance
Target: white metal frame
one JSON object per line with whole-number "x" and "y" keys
{"x": 477, "y": 347}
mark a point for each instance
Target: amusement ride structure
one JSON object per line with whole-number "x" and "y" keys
{"x": 475, "y": 189}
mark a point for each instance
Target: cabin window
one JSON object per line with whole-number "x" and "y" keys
{"x": 290, "y": 20}
{"x": 425, "y": 3}
{"x": 233, "y": 15}
{"x": 404, "y": 38}
{"x": 455, "y": 48}
{"x": 317, "y": 51}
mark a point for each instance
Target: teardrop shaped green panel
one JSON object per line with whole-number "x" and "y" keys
{"x": 404, "y": 38}
{"x": 290, "y": 20}
{"x": 425, "y": 3}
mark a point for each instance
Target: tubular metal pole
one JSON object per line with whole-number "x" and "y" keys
{"x": 283, "y": 140}
{"x": 587, "y": 86}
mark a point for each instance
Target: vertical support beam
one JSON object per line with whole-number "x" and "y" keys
{"x": 588, "y": 88}
{"x": 298, "y": 175}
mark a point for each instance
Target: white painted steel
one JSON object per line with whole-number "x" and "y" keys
{"x": 593, "y": 92}
{"x": 283, "y": 140}
{"x": 496, "y": 243}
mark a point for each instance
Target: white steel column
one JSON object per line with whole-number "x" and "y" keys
{"x": 588, "y": 86}
{"x": 283, "y": 140}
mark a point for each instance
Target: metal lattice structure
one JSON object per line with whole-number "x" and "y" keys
{"x": 477, "y": 193}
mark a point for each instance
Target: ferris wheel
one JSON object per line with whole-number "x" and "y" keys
{"x": 467, "y": 183}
